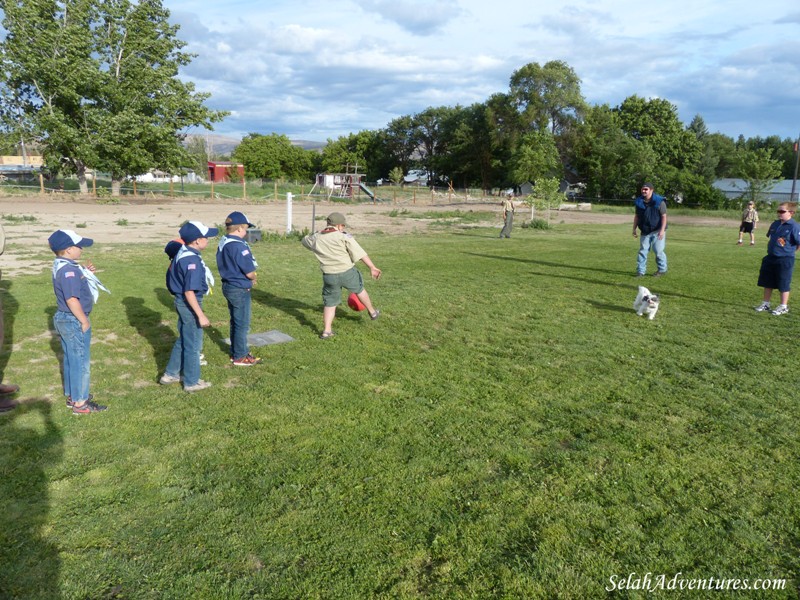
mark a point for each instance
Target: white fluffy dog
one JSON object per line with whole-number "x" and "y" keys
{"x": 646, "y": 303}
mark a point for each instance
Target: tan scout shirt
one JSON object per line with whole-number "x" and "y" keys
{"x": 337, "y": 251}
{"x": 508, "y": 206}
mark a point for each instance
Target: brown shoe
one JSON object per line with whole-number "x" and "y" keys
{"x": 8, "y": 389}
{"x": 7, "y": 405}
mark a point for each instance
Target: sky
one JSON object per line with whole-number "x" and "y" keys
{"x": 321, "y": 69}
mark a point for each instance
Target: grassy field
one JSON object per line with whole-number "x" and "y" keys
{"x": 508, "y": 429}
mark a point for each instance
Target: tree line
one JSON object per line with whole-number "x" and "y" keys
{"x": 540, "y": 128}
{"x": 94, "y": 84}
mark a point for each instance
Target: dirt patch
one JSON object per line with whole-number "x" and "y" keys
{"x": 29, "y": 221}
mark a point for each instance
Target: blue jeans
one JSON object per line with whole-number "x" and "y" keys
{"x": 185, "y": 357}
{"x": 239, "y": 309}
{"x": 77, "y": 355}
{"x": 646, "y": 242}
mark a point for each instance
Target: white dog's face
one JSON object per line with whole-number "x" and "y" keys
{"x": 646, "y": 303}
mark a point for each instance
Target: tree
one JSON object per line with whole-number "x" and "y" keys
{"x": 99, "y": 80}
{"x": 612, "y": 163}
{"x": 536, "y": 158}
{"x": 545, "y": 196}
{"x": 656, "y": 123}
{"x": 396, "y": 176}
{"x": 273, "y": 157}
{"x": 349, "y": 152}
{"x": 198, "y": 156}
{"x": 431, "y": 135}
{"x": 548, "y": 96}
{"x": 759, "y": 171}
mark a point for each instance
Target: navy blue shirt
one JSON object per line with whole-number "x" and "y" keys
{"x": 234, "y": 261}
{"x": 649, "y": 213}
{"x": 187, "y": 274}
{"x": 784, "y": 237}
{"x": 70, "y": 282}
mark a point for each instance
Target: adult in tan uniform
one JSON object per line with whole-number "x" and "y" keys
{"x": 338, "y": 252}
{"x": 508, "y": 216}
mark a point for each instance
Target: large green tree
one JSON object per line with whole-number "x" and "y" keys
{"x": 548, "y": 96}
{"x": 656, "y": 123}
{"x": 99, "y": 79}
{"x": 348, "y": 153}
{"x": 273, "y": 157}
{"x": 612, "y": 163}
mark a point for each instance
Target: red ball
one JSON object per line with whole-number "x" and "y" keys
{"x": 354, "y": 303}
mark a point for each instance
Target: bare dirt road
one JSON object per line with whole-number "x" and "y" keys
{"x": 29, "y": 221}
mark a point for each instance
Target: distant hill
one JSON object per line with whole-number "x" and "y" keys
{"x": 224, "y": 145}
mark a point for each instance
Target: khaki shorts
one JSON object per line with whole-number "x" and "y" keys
{"x": 332, "y": 285}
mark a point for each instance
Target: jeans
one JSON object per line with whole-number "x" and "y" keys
{"x": 239, "y": 309}
{"x": 77, "y": 355}
{"x": 646, "y": 242}
{"x": 185, "y": 357}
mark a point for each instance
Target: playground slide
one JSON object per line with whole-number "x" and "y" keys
{"x": 367, "y": 191}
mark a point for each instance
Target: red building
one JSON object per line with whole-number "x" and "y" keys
{"x": 224, "y": 171}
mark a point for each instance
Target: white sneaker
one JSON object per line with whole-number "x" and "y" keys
{"x": 200, "y": 385}
{"x": 166, "y": 379}
{"x": 764, "y": 306}
{"x": 781, "y": 310}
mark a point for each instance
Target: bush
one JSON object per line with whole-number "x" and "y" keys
{"x": 536, "y": 224}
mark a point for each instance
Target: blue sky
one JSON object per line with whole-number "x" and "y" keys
{"x": 314, "y": 70}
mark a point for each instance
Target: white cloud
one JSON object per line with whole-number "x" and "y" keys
{"x": 328, "y": 68}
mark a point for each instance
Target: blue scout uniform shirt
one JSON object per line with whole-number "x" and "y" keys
{"x": 187, "y": 273}
{"x": 70, "y": 282}
{"x": 789, "y": 232}
{"x": 234, "y": 260}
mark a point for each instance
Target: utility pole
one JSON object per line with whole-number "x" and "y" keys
{"x": 796, "y": 163}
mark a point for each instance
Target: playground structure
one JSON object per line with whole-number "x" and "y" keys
{"x": 344, "y": 185}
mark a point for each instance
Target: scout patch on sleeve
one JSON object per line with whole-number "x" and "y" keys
{"x": 191, "y": 267}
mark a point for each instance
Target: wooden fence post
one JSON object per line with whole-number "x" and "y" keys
{"x": 41, "y": 183}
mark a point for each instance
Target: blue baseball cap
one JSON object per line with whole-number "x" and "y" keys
{"x": 66, "y": 238}
{"x": 194, "y": 230}
{"x": 238, "y": 218}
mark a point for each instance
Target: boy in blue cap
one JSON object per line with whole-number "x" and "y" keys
{"x": 188, "y": 280}
{"x": 237, "y": 268}
{"x": 76, "y": 290}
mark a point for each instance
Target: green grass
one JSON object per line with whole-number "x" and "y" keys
{"x": 508, "y": 428}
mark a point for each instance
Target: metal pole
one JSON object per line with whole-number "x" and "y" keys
{"x": 289, "y": 212}
{"x": 796, "y": 163}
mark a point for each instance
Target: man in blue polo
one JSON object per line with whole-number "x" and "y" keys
{"x": 237, "y": 268}
{"x": 651, "y": 220}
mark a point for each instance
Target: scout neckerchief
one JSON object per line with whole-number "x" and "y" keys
{"x": 94, "y": 283}
{"x": 184, "y": 252}
{"x": 236, "y": 239}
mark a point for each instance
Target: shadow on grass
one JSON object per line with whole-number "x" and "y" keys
{"x": 633, "y": 285}
{"x": 289, "y": 306}
{"x": 148, "y": 323}
{"x": 29, "y": 562}
{"x": 8, "y": 310}
{"x": 162, "y": 337}
{"x": 545, "y": 263}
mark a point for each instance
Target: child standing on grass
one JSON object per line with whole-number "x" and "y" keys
{"x": 749, "y": 223}
{"x": 778, "y": 264}
{"x": 76, "y": 289}
{"x": 188, "y": 281}
{"x": 237, "y": 268}
{"x": 338, "y": 252}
